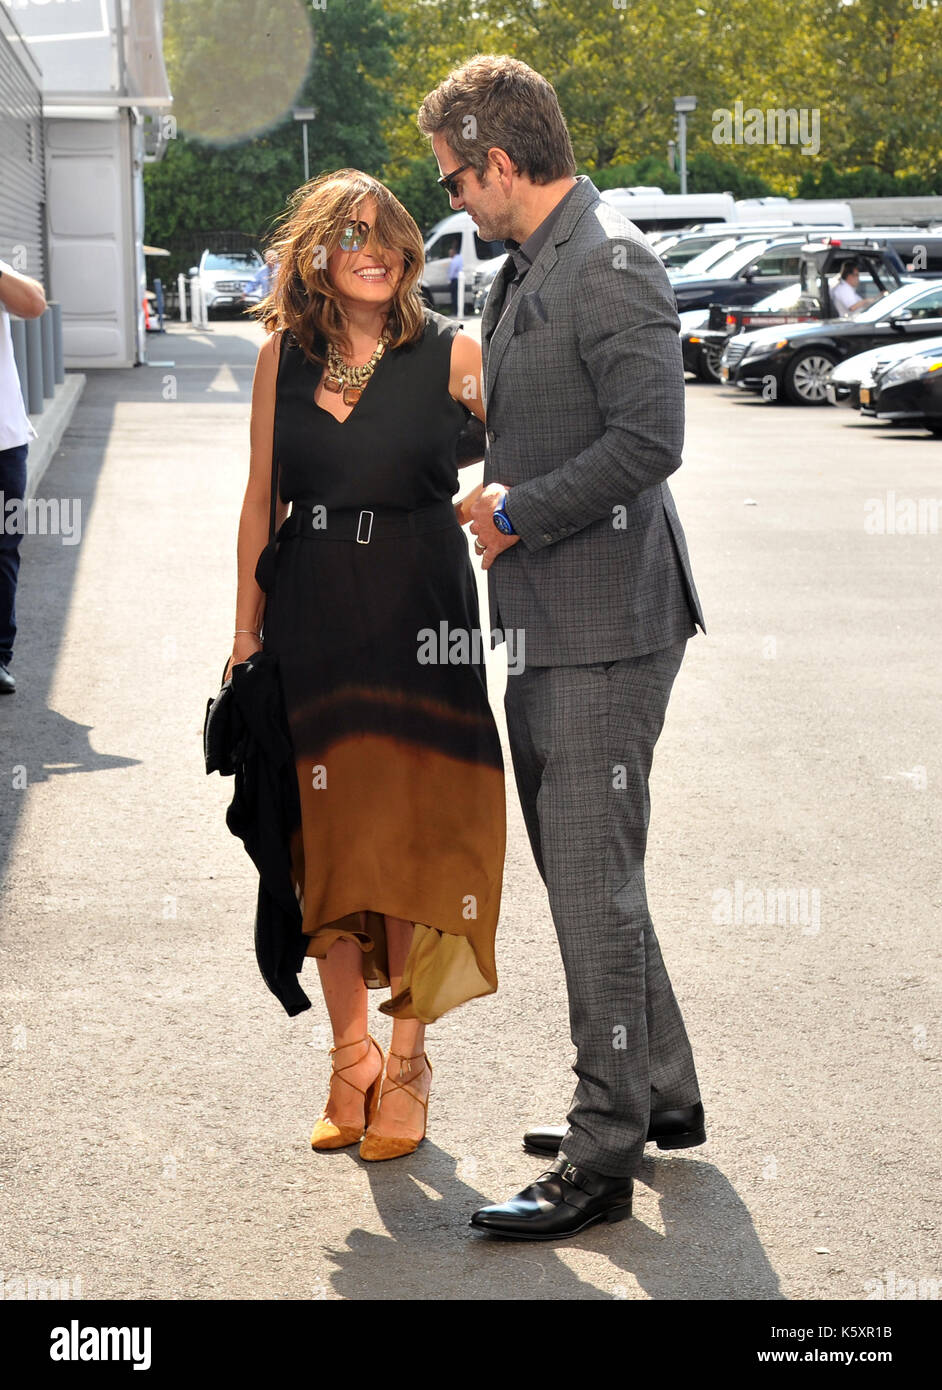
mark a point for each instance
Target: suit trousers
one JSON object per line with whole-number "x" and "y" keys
{"x": 582, "y": 741}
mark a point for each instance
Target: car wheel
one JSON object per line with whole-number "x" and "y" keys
{"x": 708, "y": 367}
{"x": 806, "y": 377}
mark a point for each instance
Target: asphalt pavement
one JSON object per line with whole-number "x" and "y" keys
{"x": 158, "y": 1101}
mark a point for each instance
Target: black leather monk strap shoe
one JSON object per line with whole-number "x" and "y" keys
{"x": 563, "y": 1201}
{"x": 7, "y": 683}
{"x": 669, "y": 1129}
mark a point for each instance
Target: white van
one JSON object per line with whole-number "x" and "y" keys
{"x": 820, "y": 211}
{"x": 651, "y": 210}
{"x": 476, "y": 256}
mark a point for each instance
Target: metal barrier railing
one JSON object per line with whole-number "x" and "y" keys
{"x": 37, "y": 351}
{"x": 191, "y": 285}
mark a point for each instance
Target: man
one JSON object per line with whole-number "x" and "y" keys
{"x": 584, "y": 387}
{"x": 259, "y": 287}
{"x": 24, "y": 297}
{"x": 844, "y": 296}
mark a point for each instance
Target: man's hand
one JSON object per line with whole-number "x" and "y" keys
{"x": 490, "y": 542}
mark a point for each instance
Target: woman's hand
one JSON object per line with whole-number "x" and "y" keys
{"x": 242, "y": 648}
{"x": 463, "y": 508}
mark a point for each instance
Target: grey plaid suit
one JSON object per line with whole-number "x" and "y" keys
{"x": 584, "y": 390}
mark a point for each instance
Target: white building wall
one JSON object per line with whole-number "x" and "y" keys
{"x": 91, "y": 237}
{"x": 102, "y": 68}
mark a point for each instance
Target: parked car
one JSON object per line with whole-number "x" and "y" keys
{"x": 701, "y": 265}
{"x": 703, "y": 343}
{"x": 857, "y": 373}
{"x": 919, "y": 250}
{"x": 808, "y": 297}
{"x": 909, "y": 392}
{"x": 475, "y": 254}
{"x": 483, "y": 279}
{"x": 799, "y": 357}
{"x": 752, "y": 271}
{"x": 679, "y": 249}
{"x": 223, "y": 276}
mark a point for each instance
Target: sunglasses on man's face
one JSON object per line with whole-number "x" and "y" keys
{"x": 447, "y": 181}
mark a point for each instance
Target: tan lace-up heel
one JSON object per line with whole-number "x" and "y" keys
{"x": 327, "y": 1134}
{"x": 379, "y": 1146}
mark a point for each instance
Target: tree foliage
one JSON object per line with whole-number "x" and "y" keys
{"x": 867, "y": 73}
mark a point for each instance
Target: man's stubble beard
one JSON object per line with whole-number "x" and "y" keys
{"x": 496, "y": 226}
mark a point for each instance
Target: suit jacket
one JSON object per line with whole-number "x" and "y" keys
{"x": 584, "y": 394}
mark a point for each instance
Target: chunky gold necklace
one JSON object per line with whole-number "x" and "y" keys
{"x": 351, "y": 380}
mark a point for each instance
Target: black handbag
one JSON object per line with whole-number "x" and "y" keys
{"x": 218, "y": 750}
{"x": 471, "y": 441}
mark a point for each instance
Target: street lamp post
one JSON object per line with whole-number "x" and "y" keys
{"x": 305, "y": 114}
{"x": 682, "y": 105}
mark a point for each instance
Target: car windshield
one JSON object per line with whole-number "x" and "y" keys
{"x": 781, "y": 299}
{"x": 729, "y": 262}
{"x": 689, "y": 249}
{"x": 704, "y": 259}
{"x": 896, "y": 299}
{"x": 238, "y": 260}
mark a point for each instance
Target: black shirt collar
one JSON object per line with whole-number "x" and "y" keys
{"x": 525, "y": 253}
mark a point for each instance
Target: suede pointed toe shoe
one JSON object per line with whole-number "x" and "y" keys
{"x": 682, "y": 1128}
{"x": 376, "y": 1145}
{"x": 327, "y": 1134}
{"x": 563, "y": 1201}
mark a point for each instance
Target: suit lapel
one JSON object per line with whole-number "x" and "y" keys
{"x": 504, "y": 330}
{"x": 497, "y": 333}
{"x": 495, "y": 297}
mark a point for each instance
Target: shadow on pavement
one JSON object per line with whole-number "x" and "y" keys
{"x": 37, "y": 742}
{"x": 709, "y": 1248}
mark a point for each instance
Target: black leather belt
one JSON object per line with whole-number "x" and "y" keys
{"x": 366, "y": 524}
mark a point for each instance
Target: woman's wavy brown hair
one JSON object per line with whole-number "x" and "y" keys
{"x": 303, "y": 301}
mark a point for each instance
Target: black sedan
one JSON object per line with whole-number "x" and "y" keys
{"x": 752, "y": 271}
{"x": 795, "y": 360}
{"x": 910, "y": 392}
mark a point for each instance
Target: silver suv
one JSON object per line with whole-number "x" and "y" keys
{"x": 223, "y": 276}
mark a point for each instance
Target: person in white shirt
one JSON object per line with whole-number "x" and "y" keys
{"x": 455, "y": 267}
{"x": 24, "y": 297}
{"x": 844, "y": 296}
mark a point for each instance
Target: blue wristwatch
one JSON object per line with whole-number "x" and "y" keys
{"x": 501, "y": 520}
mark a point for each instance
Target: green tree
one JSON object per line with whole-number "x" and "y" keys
{"x": 243, "y": 183}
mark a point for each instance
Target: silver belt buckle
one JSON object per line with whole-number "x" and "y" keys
{"x": 360, "y": 540}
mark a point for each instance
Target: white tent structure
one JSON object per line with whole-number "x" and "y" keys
{"x": 105, "y": 105}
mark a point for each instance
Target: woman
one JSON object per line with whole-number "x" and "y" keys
{"x": 398, "y": 859}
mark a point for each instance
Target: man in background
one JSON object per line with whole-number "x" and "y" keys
{"x": 24, "y": 297}
{"x": 844, "y": 296}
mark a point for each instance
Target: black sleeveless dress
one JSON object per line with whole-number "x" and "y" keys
{"x": 379, "y": 646}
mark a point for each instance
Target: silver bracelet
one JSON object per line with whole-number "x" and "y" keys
{"x": 249, "y": 631}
